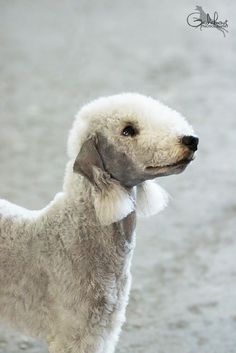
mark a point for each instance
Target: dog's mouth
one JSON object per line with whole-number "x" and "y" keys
{"x": 172, "y": 168}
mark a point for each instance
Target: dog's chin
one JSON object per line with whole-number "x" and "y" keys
{"x": 174, "y": 168}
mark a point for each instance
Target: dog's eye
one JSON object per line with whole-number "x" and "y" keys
{"x": 129, "y": 130}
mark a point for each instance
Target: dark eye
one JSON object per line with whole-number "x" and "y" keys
{"x": 129, "y": 130}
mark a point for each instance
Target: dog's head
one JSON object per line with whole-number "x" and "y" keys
{"x": 124, "y": 140}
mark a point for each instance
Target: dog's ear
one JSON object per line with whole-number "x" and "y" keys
{"x": 151, "y": 198}
{"x": 87, "y": 159}
{"x": 112, "y": 201}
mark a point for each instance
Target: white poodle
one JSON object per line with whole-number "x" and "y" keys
{"x": 65, "y": 270}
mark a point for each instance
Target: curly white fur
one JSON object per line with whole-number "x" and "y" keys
{"x": 112, "y": 203}
{"x": 151, "y": 198}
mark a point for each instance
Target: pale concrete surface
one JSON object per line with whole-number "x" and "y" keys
{"x": 56, "y": 55}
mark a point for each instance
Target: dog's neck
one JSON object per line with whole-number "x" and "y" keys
{"x": 76, "y": 204}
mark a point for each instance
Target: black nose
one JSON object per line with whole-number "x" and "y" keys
{"x": 191, "y": 142}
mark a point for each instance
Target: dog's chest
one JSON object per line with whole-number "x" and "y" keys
{"x": 123, "y": 231}
{"x": 101, "y": 264}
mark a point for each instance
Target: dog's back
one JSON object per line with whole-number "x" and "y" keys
{"x": 20, "y": 280}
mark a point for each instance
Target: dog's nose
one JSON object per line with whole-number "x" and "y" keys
{"x": 191, "y": 142}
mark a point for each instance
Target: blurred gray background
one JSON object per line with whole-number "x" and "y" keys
{"x": 57, "y": 55}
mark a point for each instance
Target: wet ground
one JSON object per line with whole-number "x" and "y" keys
{"x": 56, "y": 55}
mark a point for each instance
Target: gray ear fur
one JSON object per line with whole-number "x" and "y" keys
{"x": 112, "y": 202}
{"x": 88, "y": 158}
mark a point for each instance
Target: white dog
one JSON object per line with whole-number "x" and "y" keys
{"x": 65, "y": 270}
